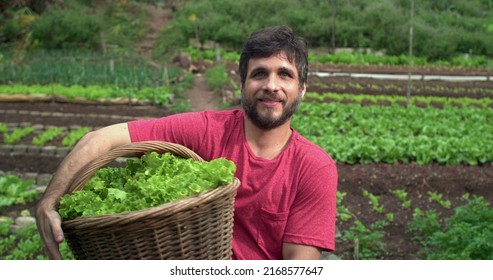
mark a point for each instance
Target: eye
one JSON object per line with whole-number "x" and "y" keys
{"x": 258, "y": 74}
{"x": 285, "y": 74}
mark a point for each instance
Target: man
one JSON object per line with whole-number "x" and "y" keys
{"x": 285, "y": 207}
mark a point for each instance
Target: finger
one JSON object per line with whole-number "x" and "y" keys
{"x": 57, "y": 232}
{"x": 52, "y": 250}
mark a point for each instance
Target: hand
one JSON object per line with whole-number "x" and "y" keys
{"x": 49, "y": 226}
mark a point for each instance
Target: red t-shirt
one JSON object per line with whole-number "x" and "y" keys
{"x": 291, "y": 198}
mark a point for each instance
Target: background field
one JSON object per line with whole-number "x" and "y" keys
{"x": 414, "y": 156}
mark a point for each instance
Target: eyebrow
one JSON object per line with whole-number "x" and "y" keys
{"x": 288, "y": 70}
{"x": 281, "y": 69}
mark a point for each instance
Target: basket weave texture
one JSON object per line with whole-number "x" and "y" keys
{"x": 193, "y": 228}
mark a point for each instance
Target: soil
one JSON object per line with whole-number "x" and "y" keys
{"x": 379, "y": 179}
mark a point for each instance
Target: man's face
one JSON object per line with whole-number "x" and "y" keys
{"x": 272, "y": 92}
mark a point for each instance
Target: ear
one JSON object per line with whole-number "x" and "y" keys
{"x": 303, "y": 91}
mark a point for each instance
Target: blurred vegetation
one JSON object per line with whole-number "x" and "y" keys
{"x": 443, "y": 28}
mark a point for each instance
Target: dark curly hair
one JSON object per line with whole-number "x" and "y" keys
{"x": 274, "y": 40}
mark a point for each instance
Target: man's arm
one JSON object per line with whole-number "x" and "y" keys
{"x": 91, "y": 146}
{"x": 291, "y": 251}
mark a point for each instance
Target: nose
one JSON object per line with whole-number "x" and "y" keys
{"x": 272, "y": 84}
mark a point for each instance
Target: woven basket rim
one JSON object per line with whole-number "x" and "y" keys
{"x": 128, "y": 217}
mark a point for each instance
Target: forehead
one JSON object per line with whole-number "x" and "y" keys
{"x": 273, "y": 62}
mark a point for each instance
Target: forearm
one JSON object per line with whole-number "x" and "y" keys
{"x": 291, "y": 251}
{"x": 91, "y": 146}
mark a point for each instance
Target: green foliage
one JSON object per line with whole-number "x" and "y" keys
{"x": 216, "y": 77}
{"x": 14, "y": 190}
{"x": 17, "y": 134}
{"x": 17, "y": 24}
{"x": 123, "y": 23}
{"x": 159, "y": 95}
{"x": 443, "y": 29}
{"x": 149, "y": 181}
{"x": 374, "y": 201}
{"x": 121, "y": 70}
{"x": 74, "y": 136}
{"x": 59, "y": 28}
{"x": 343, "y": 212}
{"x": 359, "y": 24}
{"x": 467, "y": 235}
{"x": 423, "y": 224}
{"x": 402, "y": 195}
{"x": 352, "y": 133}
{"x": 25, "y": 244}
{"x": 3, "y": 128}
{"x": 368, "y": 240}
{"x": 438, "y": 198}
{"x": 46, "y": 136}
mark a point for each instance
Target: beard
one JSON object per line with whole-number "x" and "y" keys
{"x": 268, "y": 121}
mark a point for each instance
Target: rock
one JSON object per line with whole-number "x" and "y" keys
{"x": 329, "y": 256}
{"x": 41, "y": 189}
{"x": 43, "y": 179}
{"x": 24, "y": 221}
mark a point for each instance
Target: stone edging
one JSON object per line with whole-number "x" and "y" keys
{"x": 40, "y": 97}
{"x": 66, "y": 115}
{"x": 35, "y": 150}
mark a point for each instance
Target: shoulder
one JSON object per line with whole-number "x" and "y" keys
{"x": 310, "y": 152}
{"x": 223, "y": 116}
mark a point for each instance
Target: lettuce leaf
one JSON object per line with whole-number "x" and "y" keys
{"x": 149, "y": 181}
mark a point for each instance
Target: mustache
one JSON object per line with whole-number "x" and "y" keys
{"x": 270, "y": 97}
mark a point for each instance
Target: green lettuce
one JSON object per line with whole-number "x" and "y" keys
{"x": 149, "y": 181}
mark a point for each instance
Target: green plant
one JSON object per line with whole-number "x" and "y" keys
{"x": 17, "y": 134}
{"x": 3, "y": 128}
{"x": 438, "y": 198}
{"x": 146, "y": 182}
{"x": 14, "y": 190}
{"x": 367, "y": 241}
{"x": 467, "y": 235}
{"x": 423, "y": 224}
{"x": 343, "y": 212}
{"x": 47, "y": 135}
{"x": 216, "y": 77}
{"x": 74, "y": 136}
{"x": 374, "y": 200}
{"x": 402, "y": 195}
{"x": 25, "y": 244}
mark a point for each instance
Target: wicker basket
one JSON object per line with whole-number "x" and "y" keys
{"x": 193, "y": 228}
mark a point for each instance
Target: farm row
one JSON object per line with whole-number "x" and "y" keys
{"x": 389, "y": 155}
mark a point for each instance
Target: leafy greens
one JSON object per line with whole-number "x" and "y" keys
{"x": 146, "y": 182}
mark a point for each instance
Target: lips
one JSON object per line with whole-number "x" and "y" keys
{"x": 270, "y": 102}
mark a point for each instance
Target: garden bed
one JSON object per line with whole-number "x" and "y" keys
{"x": 428, "y": 187}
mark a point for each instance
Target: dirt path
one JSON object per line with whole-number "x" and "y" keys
{"x": 201, "y": 97}
{"x": 159, "y": 18}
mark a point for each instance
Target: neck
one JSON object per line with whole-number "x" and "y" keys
{"x": 269, "y": 143}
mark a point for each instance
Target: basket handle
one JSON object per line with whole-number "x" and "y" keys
{"x": 129, "y": 149}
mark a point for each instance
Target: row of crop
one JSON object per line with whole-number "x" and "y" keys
{"x": 158, "y": 95}
{"x": 85, "y": 69}
{"x": 423, "y": 101}
{"x": 23, "y": 243}
{"x": 40, "y": 138}
{"x": 355, "y": 58}
{"x": 352, "y": 133}
{"x": 420, "y": 88}
{"x": 466, "y": 235}
{"x": 435, "y": 237}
